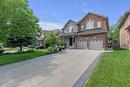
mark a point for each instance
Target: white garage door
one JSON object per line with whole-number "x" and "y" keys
{"x": 82, "y": 44}
{"x": 96, "y": 44}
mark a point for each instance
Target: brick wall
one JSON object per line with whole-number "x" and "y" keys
{"x": 92, "y": 37}
{"x": 125, "y": 34}
{"x": 96, "y": 19}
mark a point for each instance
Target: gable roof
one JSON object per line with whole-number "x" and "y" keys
{"x": 92, "y": 14}
{"x": 87, "y": 32}
{"x": 124, "y": 18}
{"x": 69, "y": 22}
{"x": 104, "y": 17}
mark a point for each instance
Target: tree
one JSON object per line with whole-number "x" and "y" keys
{"x": 114, "y": 31}
{"x": 52, "y": 39}
{"x": 20, "y": 25}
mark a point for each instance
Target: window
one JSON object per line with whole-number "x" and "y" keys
{"x": 99, "y": 25}
{"x": 90, "y": 24}
{"x": 70, "y": 29}
{"x": 82, "y": 27}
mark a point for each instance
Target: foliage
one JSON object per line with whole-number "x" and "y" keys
{"x": 52, "y": 39}
{"x": 51, "y": 50}
{"x": 13, "y": 42}
{"x": 1, "y": 50}
{"x": 18, "y": 22}
{"x": 114, "y": 31}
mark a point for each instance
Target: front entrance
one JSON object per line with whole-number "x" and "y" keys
{"x": 70, "y": 41}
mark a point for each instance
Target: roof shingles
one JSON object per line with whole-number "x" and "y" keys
{"x": 87, "y": 32}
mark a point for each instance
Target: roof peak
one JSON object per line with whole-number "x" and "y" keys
{"x": 124, "y": 17}
{"x": 93, "y": 14}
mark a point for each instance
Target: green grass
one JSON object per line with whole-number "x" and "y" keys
{"x": 112, "y": 71}
{"x": 12, "y": 58}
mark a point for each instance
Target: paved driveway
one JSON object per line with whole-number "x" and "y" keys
{"x": 56, "y": 70}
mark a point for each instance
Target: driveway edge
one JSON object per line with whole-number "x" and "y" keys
{"x": 85, "y": 76}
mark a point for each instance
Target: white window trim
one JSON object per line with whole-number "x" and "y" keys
{"x": 70, "y": 29}
{"x": 99, "y": 25}
{"x": 82, "y": 27}
{"x": 90, "y": 24}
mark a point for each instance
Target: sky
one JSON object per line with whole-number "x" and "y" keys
{"x": 54, "y": 14}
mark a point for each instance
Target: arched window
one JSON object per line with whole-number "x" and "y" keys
{"x": 90, "y": 24}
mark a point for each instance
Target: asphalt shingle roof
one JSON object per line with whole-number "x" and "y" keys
{"x": 87, "y": 32}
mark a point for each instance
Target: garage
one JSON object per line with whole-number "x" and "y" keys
{"x": 96, "y": 44}
{"x": 82, "y": 44}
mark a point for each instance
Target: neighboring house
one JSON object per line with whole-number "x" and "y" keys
{"x": 125, "y": 31}
{"x": 41, "y": 39}
{"x": 57, "y": 31}
{"x": 91, "y": 32}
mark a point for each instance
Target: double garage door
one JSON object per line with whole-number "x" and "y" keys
{"x": 92, "y": 44}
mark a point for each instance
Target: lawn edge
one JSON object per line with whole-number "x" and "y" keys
{"x": 85, "y": 76}
{"x": 33, "y": 58}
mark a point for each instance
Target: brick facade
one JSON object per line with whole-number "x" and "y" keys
{"x": 96, "y": 18}
{"x": 125, "y": 31}
{"x": 86, "y": 35}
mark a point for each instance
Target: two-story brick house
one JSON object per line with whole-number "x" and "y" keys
{"x": 91, "y": 32}
{"x": 125, "y": 31}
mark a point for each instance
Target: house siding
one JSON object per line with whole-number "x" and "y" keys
{"x": 66, "y": 30}
{"x": 96, "y": 19}
{"x": 85, "y": 38}
{"x": 125, "y": 34}
{"x": 92, "y": 37}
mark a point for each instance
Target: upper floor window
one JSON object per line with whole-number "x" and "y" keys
{"x": 70, "y": 29}
{"x": 82, "y": 27}
{"x": 90, "y": 24}
{"x": 99, "y": 25}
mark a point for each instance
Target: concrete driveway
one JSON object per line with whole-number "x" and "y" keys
{"x": 57, "y": 70}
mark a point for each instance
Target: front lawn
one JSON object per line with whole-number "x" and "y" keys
{"x": 6, "y": 59}
{"x": 112, "y": 71}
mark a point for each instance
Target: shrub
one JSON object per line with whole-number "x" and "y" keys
{"x": 51, "y": 50}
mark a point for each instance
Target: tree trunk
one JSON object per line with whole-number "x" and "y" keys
{"x": 21, "y": 47}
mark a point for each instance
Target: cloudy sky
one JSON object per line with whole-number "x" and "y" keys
{"x": 54, "y": 14}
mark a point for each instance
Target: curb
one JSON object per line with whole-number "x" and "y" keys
{"x": 85, "y": 76}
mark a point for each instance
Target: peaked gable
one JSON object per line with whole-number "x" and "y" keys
{"x": 70, "y": 26}
{"x": 124, "y": 18}
{"x": 90, "y": 13}
{"x": 69, "y": 22}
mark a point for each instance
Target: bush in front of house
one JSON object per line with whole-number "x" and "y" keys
{"x": 51, "y": 50}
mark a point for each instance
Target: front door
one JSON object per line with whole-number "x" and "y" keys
{"x": 70, "y": 41}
